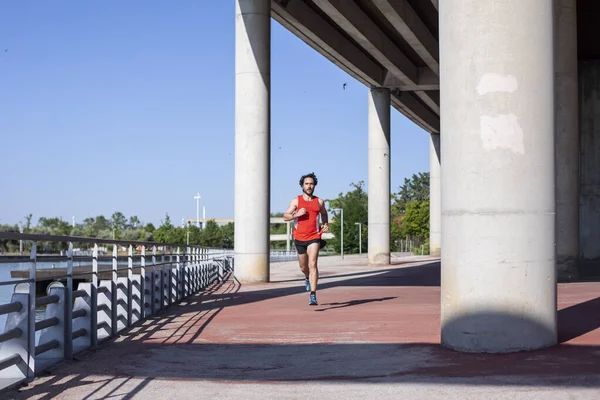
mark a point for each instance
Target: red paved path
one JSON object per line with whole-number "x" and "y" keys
{"x": 375, "y": 333}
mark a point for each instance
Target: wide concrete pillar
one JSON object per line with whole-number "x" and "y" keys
{"x": 498, "y": 202}
{"x": 567, "y": 141}
{"x": 252, "y": 139}
{"x": 435, "y": 197}
{"x": 379, "y": 176}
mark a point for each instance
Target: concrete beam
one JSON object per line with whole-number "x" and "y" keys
{"x": 408, "y": 104}
{"x": 408, "y": 23}
{"x": 426, "y": 80}
{"x": 349, "y": 16}
{"x": 313, "y": 29}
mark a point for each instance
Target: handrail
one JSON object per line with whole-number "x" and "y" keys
{"x": 45, "y": 300}
{"x": 80, "y": 239}
{"x": 9, "y": 361}
{"x": 11, "y": 334}
{"x": 46, "y": 323}
{"x": 10, "y": 307}
{"x": 42, "y": 348}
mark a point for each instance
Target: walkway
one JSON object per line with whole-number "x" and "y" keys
{"x": 374, "y": 335}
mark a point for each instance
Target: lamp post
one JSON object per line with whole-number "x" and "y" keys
{"x": 341, "y": 210}
{"x": 21, "y": 240}
{"x": 197, "y": 197}
{"x": 188, "y": 233}
{"x": 359, "y": 237}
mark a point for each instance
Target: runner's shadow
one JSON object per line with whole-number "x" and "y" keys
{"x": 352, "y": 303}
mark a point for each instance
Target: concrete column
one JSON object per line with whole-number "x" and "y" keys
{"x": 379, "y": 176}
{"x": 498, "y": 202}
{"x": 567, "y": 141}
{"x": 435, "y": 197}
{"x": 252, "y": 139}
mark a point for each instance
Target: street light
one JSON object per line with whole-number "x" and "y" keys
{"x": 341, "y": 210}
{"x": 359, "y": 237}
{"x": 197, "y": 197}
{"x": 188, "y": 233}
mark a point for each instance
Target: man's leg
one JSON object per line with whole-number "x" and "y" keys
{"x": 313, "y": 255}
{"x": 303, "y": 262}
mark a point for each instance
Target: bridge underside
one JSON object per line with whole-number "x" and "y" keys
{"x": 381, "y": 43}
{"x": 518, "y": 191}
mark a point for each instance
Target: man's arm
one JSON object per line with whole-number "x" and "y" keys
{"x": 290, "y": 213}
{"x": 324, "y": 216}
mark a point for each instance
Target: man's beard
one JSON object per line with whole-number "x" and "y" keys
{"x": 306, "y": 191}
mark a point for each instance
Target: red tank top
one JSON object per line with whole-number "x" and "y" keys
{"x": 307, "y": 226}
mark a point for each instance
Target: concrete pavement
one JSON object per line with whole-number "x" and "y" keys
{"x": 375, "y": 334}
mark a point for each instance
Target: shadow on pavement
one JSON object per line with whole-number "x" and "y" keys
{"x": 129, "y": 363}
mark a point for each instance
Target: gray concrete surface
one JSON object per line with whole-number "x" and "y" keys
{"x": 589, "y": 234}
{"x": 435, "y": 196}
{"x": 379, "y": 176}
{"x": 498, "y": 200}
{"x": 567, "y": 141}
{"x": 252, "y": 139}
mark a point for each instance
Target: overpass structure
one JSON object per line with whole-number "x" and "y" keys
{"x": 496, "y": 86}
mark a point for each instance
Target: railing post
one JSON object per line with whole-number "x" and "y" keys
{"x": 170, "y": 277}
{"x": 196, "y": 269}
{"x": 113, "y": 292}
{"x": 179, "y": 290}
{"x": 143, "y": 284}
{"x": 203, "y": 265}
{"x": 69, "y": 306}
{"x": 31, "y": 315}
{"x": 130, "y": 286}
{"x": 162, "y": 278}
{"x": 188, "y": 272}
{"x": 153, "y": 281}
{"x": 193, "y": 271}
{"x": 94, "y": 300}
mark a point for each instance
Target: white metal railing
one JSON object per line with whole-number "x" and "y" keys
{"x": 151, "y": 276}
{"x": 283, "y": 255}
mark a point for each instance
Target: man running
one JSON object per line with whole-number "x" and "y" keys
{"x": 305, "y": 210}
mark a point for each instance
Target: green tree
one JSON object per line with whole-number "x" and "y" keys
{"x": 163, "y": 232}
{"x": 212, "y": 235}
{"x": 354, "y": 203}
{"x": 416, "y": 219}
{"x": 134, "y": 222}
{"x": 228, "y": 235}
{"x": 28, "y": 224}
{"x": 118, "y": 223}
{"x": 149, "y": 227}
{"x": 414, "y": 189}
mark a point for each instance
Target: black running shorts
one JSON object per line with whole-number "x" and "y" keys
{"x": 302, "y": 246}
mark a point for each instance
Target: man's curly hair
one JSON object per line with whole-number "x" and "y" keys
{"x": 311, "y": 175}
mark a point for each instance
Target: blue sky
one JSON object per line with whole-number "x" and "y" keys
{"x": 129, "y": 106}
